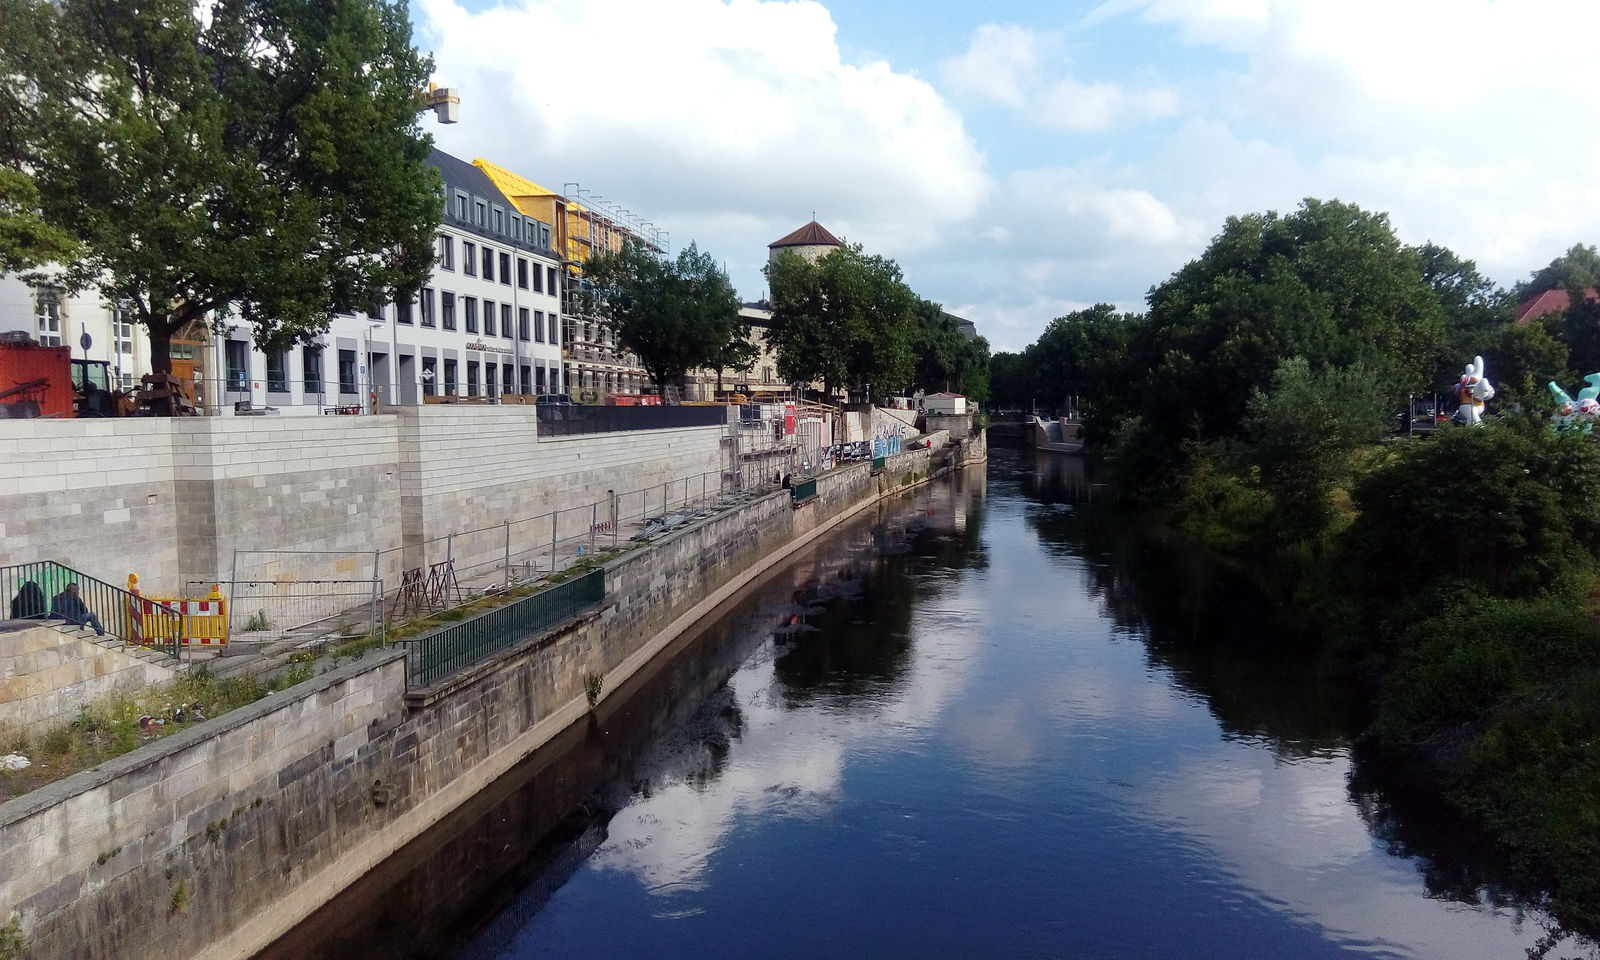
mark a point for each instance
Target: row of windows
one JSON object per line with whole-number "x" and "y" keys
{"x": 492, "y": 216}
{"x": 533, "y": 379}
{"x": 482, "y": 259}
{"x": 537, "y": 326}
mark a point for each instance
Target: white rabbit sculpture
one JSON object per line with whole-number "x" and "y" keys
{"x": 1472, "y": 391}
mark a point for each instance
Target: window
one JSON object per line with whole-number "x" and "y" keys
{"x": 402, "y": 311}
{"x": 469, "y": 258}
{"x": 469, "y": 310}
{"x": 447, "y": 253}
{"x": 505, "y": 320}
{"x": 766, "y": 374}
{"x": 427, "y": 306}
{"x": 523, "y": 330}
{"x": 505, "y": 269}
{"x": 49, "y": 304}
{"x": 550, "y": 280}
{"x": 516, "y": 229}
{"x": 499, "y": 220}
{"x": 539, "y": 233}
{"x": 538, "y": 379}
{"x": 488, "y": 318}
{"x": 311, "y": 368}
{"x": 447, "y": 310}
{"x": 277, "y": 374}
{"x": 538, "y": 279}
{"x": 555, "y": 337}
{"x": 527, "y": 379}
{"x": 538, "y": 325}
{"x": 508, "y": 378}
{"x": 238, "y": 364}
{"x": 347, "y": 372}
{"x": 430, "y": 372}
{"x": 472, "y": 378}
{"x": 522, "y": 272}
{"x": 461, "y": 206}
{"x": 480, "y": 211}
{"x": 488, "y": 379}
{"x": 488, "y": 264}
{"x": 449, "y": 378}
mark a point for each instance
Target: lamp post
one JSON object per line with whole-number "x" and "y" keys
{"x": 372, "y": 389}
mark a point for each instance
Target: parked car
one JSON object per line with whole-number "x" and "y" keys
{"x": 554, "y": 399}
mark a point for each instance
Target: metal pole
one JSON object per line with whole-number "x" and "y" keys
{"x": 594, "y": 518}
{"x": 554, "y": 519}
{"x": 616, "y": 521}
{"x": 508, "y": 553}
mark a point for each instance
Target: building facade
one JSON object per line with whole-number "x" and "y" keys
{"x": 56, "y": 319}
{"x": 487, "y": 324}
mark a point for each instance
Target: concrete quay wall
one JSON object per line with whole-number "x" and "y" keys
{"x": 173, "y": 499}
{"x": 214, "y": 842}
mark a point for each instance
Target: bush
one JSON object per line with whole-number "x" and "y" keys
{"x": 1511, "y": 511}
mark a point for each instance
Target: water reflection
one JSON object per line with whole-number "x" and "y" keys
{"x": 993, "y": 719}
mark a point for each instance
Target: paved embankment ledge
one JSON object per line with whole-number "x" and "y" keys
{"x": 214, "y": 842}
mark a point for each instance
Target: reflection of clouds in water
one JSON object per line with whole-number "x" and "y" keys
{"x": 1306, "y": 851}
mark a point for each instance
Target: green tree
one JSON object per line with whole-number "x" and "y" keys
{"x": 1301, "y": 433}
{"x": 26, "y": 240}
{"x": 258, "y": 158}
{"x": 845, "y": 319}
{"x": 1574, "y": 271}
{"x": 1084, "y": 354}
{"x": 1520, "y": 359}
{"x": 1329, "y": 282}
{"x": 945, "y": 357}
{"x": 1008, "y": 381}
{"x": 1475, "y": 309}
{"x": 676, "y": 315}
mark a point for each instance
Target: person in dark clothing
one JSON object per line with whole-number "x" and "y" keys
{"x": 70, "y": 607}
{"x": 28, "y": 604}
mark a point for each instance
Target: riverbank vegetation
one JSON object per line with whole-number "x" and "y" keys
{"x": 1256, "y": 402}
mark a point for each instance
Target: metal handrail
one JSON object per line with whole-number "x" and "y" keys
{"x": 37, "y": 591}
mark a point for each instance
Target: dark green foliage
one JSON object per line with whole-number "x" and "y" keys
{"x": 1511, "y": 511}
{"x": 1578, "y": 329}
{"x": 1329, "y": 282}
{"x": 676, "y": 315}
{"x": 263, "y": 162}
{"x": 846, "y": 319}
{"x": 1302, "y": 432}
{"x": 947, "y": 359}
{"x": 1521, "y": 359}
{"x": 1574, "y": 271}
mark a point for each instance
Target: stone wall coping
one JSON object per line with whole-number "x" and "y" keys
{"x": 21, "y": 808}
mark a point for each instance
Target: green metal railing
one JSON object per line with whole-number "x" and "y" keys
{"x": 435, "y": 656}
{"x": 38, "y": 591}
{"x": 804, "y": 490}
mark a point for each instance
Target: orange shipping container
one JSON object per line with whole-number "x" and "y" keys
{"x": 22, "y": 362}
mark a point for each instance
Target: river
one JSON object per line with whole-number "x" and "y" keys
{"x": 991, "y": 719}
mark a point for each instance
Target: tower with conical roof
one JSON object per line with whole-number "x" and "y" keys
{"x": 811, "y": 241}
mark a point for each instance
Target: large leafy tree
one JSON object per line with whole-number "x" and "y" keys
{"x": 250, "y": 158}
{"x": 1329, "y": 282}
{"x": 944, "y": 357}
{"x": 845, "y": 319}
{"x": 675, "y": 315}
{"x": 1574, "y": 271}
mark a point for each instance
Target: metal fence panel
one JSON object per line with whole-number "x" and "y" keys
{"x": 438, "y": 655}
{"x": 566, "y": 421}
{"x": 264, "y": 610}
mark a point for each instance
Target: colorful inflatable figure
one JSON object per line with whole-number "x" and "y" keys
{"x": 1581, "y": 414}
{"x": 1472, "y": 391}
{"x": 1566, "y": 415}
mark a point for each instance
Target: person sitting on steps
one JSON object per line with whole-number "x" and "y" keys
{"x": 29, "y": 603}
{"x": 69, "y": 606}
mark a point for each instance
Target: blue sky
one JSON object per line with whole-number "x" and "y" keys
{"x": 1024, "y": 159}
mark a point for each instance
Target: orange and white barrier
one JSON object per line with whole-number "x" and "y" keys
{"x": 203, "y": 622}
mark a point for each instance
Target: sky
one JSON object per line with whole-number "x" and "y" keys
{"x": 1025, "y": 159}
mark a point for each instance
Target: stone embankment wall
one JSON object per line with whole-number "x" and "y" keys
{"x": 46, "y": 675}
{"x": 173, "y": 499}
{"x": 214, "y": 842}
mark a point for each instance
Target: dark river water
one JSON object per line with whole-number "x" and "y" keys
{"x": 988, "y": 720}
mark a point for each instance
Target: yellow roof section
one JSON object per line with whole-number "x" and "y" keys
{"x": 513, "y": 185}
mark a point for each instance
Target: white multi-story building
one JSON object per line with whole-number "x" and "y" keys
{"x": 487, "y": 324}
{"x": 55, "y": 319}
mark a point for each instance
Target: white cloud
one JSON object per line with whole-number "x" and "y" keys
{"x": 1010, "y": 66}
{"x": 739, "y": 118}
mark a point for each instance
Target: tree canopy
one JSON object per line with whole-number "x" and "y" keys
{"x": 1574, "y": 271}
{"x": 946, "y": 359}
{"x": 845, "y": 319}
{"x": 26, "y": 240}
{"x": 676, "y": 315}
{"x": 258, "y": 158}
